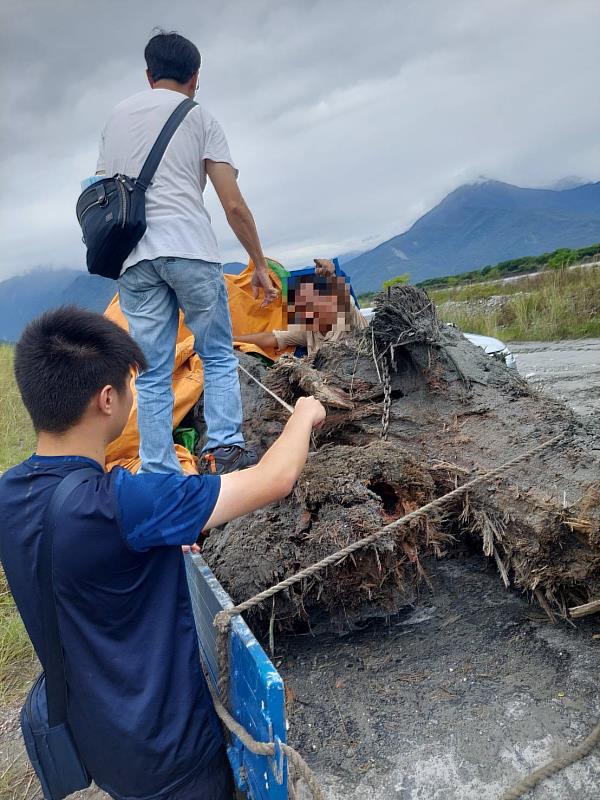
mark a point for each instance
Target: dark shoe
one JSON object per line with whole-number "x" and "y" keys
{"x": 222, "y": 460}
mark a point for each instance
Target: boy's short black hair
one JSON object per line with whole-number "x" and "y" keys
{"x": 64, "y": 357}
{"x": 171, "y": 56}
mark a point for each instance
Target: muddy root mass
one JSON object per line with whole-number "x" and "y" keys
{"x": 455, "y": 412}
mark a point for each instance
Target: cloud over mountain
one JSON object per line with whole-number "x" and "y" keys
{"x": 480, "y": 224}
{"x": 348, "y": 119}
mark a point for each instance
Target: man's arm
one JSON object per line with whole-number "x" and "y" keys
{"x": 276, "y": 473}
{"x": 241, "y": 221}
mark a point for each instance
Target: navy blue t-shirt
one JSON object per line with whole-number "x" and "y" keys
{"x": 139, "y": 707}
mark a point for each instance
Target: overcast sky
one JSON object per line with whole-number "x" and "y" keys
{"x": 348, "y": 119}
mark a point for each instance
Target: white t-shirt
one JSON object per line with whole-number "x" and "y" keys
{"x": 178, "y": 224}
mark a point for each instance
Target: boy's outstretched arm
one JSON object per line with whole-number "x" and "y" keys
{"x": 277, "y": 471}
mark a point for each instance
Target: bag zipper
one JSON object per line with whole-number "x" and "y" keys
{"x": 96, "y": 202}
{"x": 123, "y": 188}
{"x": 87, "y": 208}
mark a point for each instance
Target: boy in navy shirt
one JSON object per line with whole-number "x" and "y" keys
{"x": 138, "y": 708}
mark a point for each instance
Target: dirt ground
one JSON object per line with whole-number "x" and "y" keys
{"x": 471, "y": 687}
{"x": 568, "y": 371}
{"x": 454, "y": 699}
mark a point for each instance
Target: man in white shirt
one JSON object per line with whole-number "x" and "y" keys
{"x": 176, "y": 264}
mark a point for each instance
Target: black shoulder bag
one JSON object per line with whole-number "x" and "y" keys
{"x": 112, "y": 211}
{"x": 48, "y": 739}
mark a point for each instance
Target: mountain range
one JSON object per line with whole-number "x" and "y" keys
{"x": 23, "y": 297}
{"x": 479, "y": 224}
{"x": 475, "y": 225}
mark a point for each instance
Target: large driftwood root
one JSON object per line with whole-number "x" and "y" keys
{"x": 539, "y": 525}
{"x": 293, "y": 374}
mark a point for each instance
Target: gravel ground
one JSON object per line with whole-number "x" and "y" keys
{"x": 453, "y": 700}
{"x": 568, "y": 371}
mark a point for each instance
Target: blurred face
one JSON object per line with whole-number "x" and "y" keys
{"x": 319, "y": 309}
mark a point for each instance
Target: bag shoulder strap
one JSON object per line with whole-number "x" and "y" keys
{"x": 160, "y": 145}
{"x": 54, "y": 667}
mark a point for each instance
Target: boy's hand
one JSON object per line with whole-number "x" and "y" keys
{"x": 191, "y": 548}
{"x": 275, "y": 475}
{"x": 311, "y": 408}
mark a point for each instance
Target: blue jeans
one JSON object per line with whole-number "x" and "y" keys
{"x": 150, "y": 294}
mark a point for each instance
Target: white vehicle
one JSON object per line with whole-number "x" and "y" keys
{"x": 493, "y": 347}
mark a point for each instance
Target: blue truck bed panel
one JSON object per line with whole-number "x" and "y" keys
{"x": 257, "y": 699}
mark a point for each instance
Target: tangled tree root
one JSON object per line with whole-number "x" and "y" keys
{"x": 540, "y": 524}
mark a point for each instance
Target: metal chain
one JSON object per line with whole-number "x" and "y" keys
{"x": 387, "y": 397}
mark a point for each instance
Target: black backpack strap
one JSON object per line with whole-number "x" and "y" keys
{"x": 160, "y": 145}
{"x": 54, "y": 667}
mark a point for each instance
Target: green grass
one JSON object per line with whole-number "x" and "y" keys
{"x": 557, "y": 304}
{"x": 557, "y": 259}
{"x": 481, "y": 291}
{"x": 18, "y": 663}
{"x": 366, "y": 299}
{"x": 17, "y": 441}
{"x": 18, "y": 782}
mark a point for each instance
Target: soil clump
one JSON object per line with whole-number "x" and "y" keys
{"x": 454, "y": 413}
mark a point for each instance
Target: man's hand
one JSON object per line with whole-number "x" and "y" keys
{"x": 261, "y": 281}
{"x": 324, "y": 267}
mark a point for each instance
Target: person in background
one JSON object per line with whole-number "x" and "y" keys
{"x": 320, "y": 309}
{"x": 139, "y": 708}
{"x": 176, "y": 264}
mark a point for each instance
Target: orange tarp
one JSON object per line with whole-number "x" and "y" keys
{"x": 247, "y": 316}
